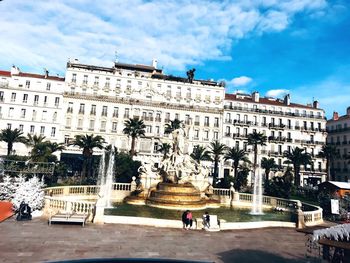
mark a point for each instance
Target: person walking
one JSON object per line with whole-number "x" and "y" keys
{"x": 189, "y": 220}
{"x": 184, "y": 219}
{"x": 206, "y": 220}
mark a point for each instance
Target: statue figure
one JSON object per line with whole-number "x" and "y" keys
{"x": 178, "y": 141}
{"x": 190, "y": 75}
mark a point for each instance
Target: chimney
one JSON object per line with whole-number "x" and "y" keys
{"x": 154, "y": 63}
{"x": 15, "y": 70}
{"x": 286, "y": 99}
{"x": 255, "y": 96}
{"x": 335, "y": 116}
{"x": 316, "y": 104}
{"x": 348, "y": 111}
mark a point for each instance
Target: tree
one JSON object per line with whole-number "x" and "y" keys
{"x": 255, "y": 139}
{"x": 10, "y": 137}
{"x": 43, "y": 151}
{"x": 330, "y": 153}
{"x": 241, "y": 180}
{"x": 88, "y": 143}
{"x": 134, "y": 128}
{"x": 216, "y": 149}
{"x": 237, "y": 156}
{"x": 297, "y": 157}
{"x": 200, "y": 154}
{"x": 33, "y": 140}
{"x": 164, "y": 148}
{"x": 267, "y": 164}
{"x": 125, "y": 167}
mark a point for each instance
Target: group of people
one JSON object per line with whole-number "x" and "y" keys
{"x": 187, "y": 220}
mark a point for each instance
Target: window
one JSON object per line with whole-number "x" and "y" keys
{"x": 245, "y": 146}
{"x": 9, "y": 126}
{"x": 82, "y": 108}
{"x": 216, "y": 122}
{"x": 107, "y": 84}
{"x": 21, "y": 127}
{"x": 196, "y": 120}
{"x": 57, "y": 101}
{"x": 74, "y": 78}
{"x": 103, "y": 126}
{"x": 196, "y": 134}
{"x": 54, "y": 117}
{"x": 34, "y": 115}
{"x": 27, "y": 84}
{"x": 48, "y": 87}
{"x": 177, "y": 116}
{"x": 66, "y": 139}
{"x": 216, "y": 135}
{"x": 206, "y": 135}
{"x": 115, "y": 112}
{"x": 206, "y": 121}
{"x": 80, "y": 124}
{"x": 44, "y": 116}
{"x": 264, "y": 121}
{"x": 289, "y": 123}
{"x": 228, "y": 131}
{"x": 25, "y": 98}
{"x": 157, "y": 130}
{"x": 10, "y": 115}
{"x": 104, "y": 111}
{"x": 148, "y": 129}
{"x": 158, "y": 116}
{"x": 1, "y": 96}
{"x": 155, "y": 147}
{"x": 93, "y": 110}
{"x": 32, "y": 128}
{"x": 92, "y": 125}
{"x": 23, "y": 113}
{"x": 96, "y": 81}
{"x": 45, "y": 100}
{"x": 85, "y": 79}
{"x": 114, "y": 126}
{"x": 13, "y": 97}
{"x": 70, "y": 107}
{"x": 167, "y": 117}
{"x": 53, "y": 131}
{"x": 42, "y": 130}
{"x": 126, "y": 113}
{"x": 68, "y": 123}
{"x": 237, "y": 145}
{"x": 36, "y": 99}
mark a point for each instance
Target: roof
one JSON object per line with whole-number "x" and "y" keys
{"x": 38, "y": 76}
{"x": 5, "y": 73}
{"x": 341, "y": 185}
{"x": 341, "y": 118}
{"x": 268, "y": 101}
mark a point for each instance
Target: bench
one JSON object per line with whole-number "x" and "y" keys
{"x": 214, "y": 224}
{"x": 68, "y": 218}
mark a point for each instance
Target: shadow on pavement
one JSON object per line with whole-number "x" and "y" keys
{"x": 254, "y": 256}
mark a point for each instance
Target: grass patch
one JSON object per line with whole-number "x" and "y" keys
{"x": 230, "y": 215}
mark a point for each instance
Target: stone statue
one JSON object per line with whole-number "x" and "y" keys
{"x": 190, "y": 75}
{"x": 178, "y": 137}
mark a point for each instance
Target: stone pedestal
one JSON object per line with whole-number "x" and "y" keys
{"x": 99, "y": 211}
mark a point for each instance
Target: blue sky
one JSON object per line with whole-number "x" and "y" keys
{"x": 301, "y": 47}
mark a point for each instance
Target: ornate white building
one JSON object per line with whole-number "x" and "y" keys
{"x": 94, "y": 99}
{"x": 338, "y": 129}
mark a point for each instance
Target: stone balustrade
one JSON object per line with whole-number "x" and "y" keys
{"x": 311, "y": 217}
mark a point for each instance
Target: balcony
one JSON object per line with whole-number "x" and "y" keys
{"x": 81, "y": 111}
{"x": 216, "y": 125}
{"x": 92, "y": 112}
{"x": 344, "y": 142}
{"x": 242, "y": 123}
{"x": 228, "y": 134}
{"x": 196, "y": 123}
{"x": 276, "y": 126}
{"x": 206, "y": 124}
{"x": 159, "y": 120}
{"x": 228, "y": 121}
{"x": 115, "y": 115}
{"x": 126, "y": 116}
{"x": 70, "y": 110}
{"x": 104, "y": 114}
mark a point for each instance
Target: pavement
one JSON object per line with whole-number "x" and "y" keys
{"x": 35, "y": 241}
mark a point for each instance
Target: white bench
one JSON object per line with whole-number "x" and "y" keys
{"x": 68, "y": 218}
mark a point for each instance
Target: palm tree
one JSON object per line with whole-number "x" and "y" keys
{"x": 330, "y": 153}
{"x": 297, "y": 157}
{"x": 88, "y": 143}
{"x": 237, "y": 156}
{"x": 43, "y": 151}
{"x": 216, "y": 149}
{"x": 173, "y": 125}
{"x": 134, "y": 128}
{"x": 33, "y": 140}
{"x": 164, "y": 148}
{"x": 200, "y": 154}
{"x": 255, "y": 139}
{"x": 10, "y": 137}
{"x": 267, "y": 164}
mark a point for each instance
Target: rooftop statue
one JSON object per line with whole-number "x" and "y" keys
{"x": 190, "y": 75}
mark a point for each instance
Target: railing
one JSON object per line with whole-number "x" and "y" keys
{"x": 55, "y": 204}
{"x": 83, "y": 189}
{"x": 222, "y": 191}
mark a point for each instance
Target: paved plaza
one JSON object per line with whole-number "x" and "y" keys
{"x": 35, "y": 241}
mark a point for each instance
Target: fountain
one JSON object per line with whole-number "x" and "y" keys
{"x": 179, "y": 182}
{"x": 105, "y": 178}
{"x": 257, "y": 195}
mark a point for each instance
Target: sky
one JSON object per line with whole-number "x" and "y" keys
{"x": 300, "y": 47}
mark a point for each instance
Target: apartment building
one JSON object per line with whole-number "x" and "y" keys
{"x": 31, "y": 103}
{"x": 338, "y": 129}
{"x": 286, "y": 125}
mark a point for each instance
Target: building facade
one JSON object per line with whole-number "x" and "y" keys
{"x": 339, "y": 135}
{"x": 97, "y": 100}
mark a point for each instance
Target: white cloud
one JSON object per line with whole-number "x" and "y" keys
{"x": 44, "y": 33}
{"x": 240, "y": 81}
{"x": 276, "y": 93}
